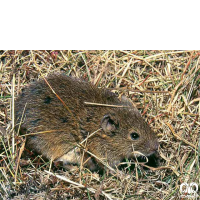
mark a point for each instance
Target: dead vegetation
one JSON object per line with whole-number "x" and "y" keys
{"x": 164, "y": 85}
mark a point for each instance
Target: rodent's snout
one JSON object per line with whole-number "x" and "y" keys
{"x": 155, "y": 146}
{"x": 152, "y": 145}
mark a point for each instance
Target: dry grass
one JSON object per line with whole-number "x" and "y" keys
{"x": 164, "y": 85}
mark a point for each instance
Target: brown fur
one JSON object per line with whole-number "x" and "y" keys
{"x": 44, "y": 112}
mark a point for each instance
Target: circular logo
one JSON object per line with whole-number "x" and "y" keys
{"x": 191, "y": 188}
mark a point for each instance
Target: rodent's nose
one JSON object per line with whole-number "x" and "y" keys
{"x": 153, "y": 145}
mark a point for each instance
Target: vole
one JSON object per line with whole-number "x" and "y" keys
{"x": 55, "y": 128}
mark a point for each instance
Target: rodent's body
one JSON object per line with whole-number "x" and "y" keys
{"x": 43, "y": 111}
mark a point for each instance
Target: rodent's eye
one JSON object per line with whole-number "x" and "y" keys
{"x": 134, "y": 136}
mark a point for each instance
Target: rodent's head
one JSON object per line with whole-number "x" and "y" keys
{"x": 125, "y": 131}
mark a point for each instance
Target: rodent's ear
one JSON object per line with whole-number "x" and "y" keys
{"x": 108, "y": 124}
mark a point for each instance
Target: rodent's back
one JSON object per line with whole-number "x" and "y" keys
{"x": 64, "y": 128}
{"x": 43, "y": 111}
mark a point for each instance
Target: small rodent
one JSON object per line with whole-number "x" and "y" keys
{"x": 122, "y": 128}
